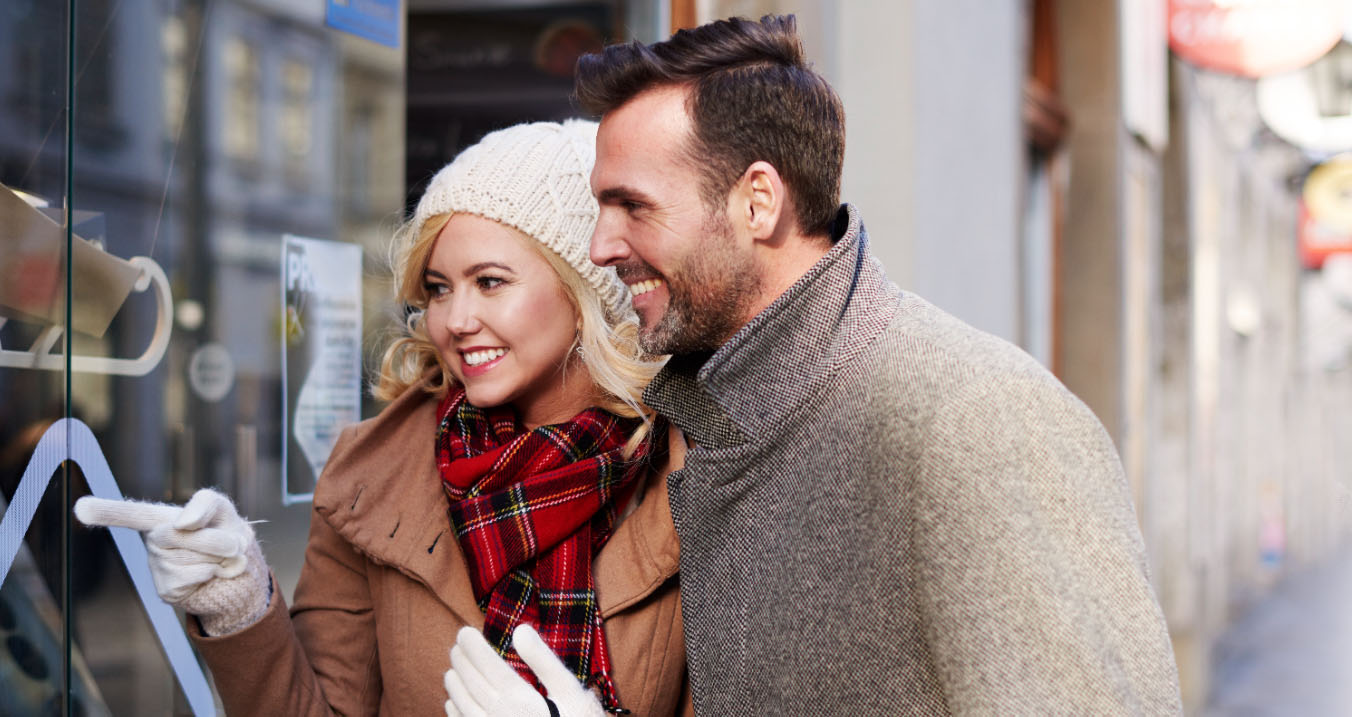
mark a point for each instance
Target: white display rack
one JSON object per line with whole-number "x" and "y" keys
{"x": 40, "y": 355}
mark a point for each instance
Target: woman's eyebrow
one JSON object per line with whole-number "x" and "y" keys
{"x": 476, "y": 268}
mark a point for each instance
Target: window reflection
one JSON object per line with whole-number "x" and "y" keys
{"x": 174, "y": 42}
{"x": 297, "y": 99}
{"x": 241, "y": 108}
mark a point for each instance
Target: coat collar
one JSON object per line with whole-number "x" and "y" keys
{"x": 381, "y": 492}
{"x": 643, "y": 552}
{"x": 742, "y": 391}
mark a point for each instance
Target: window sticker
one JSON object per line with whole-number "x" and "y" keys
{"x": 321, "y": 356}
{"x": 85, "y": 452}
{"x": 211, "y": 372}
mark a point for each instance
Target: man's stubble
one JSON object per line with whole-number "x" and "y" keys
{"x": 709, "y": 295}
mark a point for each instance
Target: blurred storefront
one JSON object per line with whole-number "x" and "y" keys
{"x": 202, "y": 192}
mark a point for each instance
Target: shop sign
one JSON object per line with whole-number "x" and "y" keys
{"x": 1326, "y": 212}
{"x": 375, "y": 20}
{"x": 1254, "y": 38}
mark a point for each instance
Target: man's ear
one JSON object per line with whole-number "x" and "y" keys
{"x": 761, "y": 200}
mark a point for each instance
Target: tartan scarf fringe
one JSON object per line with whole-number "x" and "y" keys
{"x": 530, "y": 510}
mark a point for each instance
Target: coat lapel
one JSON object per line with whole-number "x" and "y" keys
{"x": 381, "y": 492}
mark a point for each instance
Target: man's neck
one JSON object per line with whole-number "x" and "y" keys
{"x": 784, "y": 266}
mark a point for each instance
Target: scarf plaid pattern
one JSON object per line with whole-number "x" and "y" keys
{"x": 531, "y": 509}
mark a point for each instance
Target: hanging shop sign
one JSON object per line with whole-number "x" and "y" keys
{"x": 1254, "y": 38}
{"x": 1326, "y": 212}
{"x": 1312, "y": 107}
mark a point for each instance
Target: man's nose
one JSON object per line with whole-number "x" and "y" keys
{"x": 608, "y": 246}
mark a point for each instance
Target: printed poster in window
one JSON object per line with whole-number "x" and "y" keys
{"x": 321, "y": 356}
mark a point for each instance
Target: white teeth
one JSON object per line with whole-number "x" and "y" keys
{"x": 475, "y": 358}
{"x": 639, "y": 288}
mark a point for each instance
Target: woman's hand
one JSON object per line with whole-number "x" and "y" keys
{"x": 204, "y": 558}
{"x": 481, "y": 684}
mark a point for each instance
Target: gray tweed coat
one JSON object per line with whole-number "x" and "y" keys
{"x": 890, "y": 512}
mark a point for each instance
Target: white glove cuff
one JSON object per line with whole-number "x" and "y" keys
{"x": 228, "y": 605}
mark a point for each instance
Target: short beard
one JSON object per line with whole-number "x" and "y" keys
{"x": 708, "y": 297}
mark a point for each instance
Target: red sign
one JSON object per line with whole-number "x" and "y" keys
{"x": 1317, "y": 240}
{"x": 1253, "y": 38}
{"x": 1326, "y": 212}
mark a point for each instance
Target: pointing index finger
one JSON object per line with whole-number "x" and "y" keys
{"x": 123, "y": 513}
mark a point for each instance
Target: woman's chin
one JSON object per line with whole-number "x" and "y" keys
{"x": 483, "y": 398}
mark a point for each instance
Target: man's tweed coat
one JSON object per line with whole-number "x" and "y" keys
{"x": 890, "y": 512}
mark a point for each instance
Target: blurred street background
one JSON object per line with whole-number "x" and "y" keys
{"x": 1152, "y": 197}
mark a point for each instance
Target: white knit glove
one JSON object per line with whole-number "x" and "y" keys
{"x": 204, "y": 558}
{"x": 481, "y": 684}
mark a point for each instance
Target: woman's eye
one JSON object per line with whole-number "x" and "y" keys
{"x": 435, "y": 290}
{"x": 489, "y": 282}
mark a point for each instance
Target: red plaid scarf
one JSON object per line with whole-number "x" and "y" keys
{"x": 531, "y": 510}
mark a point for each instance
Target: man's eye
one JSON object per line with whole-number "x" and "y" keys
{"x": 631, "y": 206}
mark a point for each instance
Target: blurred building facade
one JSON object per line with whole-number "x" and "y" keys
{"x": 1043, "y": 169}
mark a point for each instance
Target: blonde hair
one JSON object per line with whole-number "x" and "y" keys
{"x": 609, "y": 349}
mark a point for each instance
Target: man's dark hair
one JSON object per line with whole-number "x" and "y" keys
{"x": 753, "y": 97}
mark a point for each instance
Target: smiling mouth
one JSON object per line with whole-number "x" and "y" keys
{"x": 639, "y": 288}
{"x": 478, "y": 358}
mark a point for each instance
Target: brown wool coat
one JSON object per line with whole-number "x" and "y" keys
{"x": 385, "y": 588}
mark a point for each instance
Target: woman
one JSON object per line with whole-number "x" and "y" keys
{"x": 514, "y": 479}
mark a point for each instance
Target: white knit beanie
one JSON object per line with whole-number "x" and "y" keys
{"x": 536, "y": 178}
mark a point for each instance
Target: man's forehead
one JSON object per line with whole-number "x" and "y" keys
{"x": 643, "y": 141}
{"x": 657, "y": 115}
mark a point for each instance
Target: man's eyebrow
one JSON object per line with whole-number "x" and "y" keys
{"x": 622, "y": 193}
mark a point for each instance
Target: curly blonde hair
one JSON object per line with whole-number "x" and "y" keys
{"x": 610, "y": 353}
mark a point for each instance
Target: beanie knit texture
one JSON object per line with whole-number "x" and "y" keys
{"x": 535, "y": 178}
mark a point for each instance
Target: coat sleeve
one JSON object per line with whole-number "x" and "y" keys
{"x": 1032, "y": 581}
{"x": 320, "y": 660}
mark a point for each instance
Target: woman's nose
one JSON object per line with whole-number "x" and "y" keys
{"x": 462, "y": 319}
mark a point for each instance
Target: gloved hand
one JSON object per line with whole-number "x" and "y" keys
{"x": 481, "y": 684}
{"x": 204, "y": 558}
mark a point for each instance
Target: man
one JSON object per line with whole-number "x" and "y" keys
{"x": 884, "y": 510}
